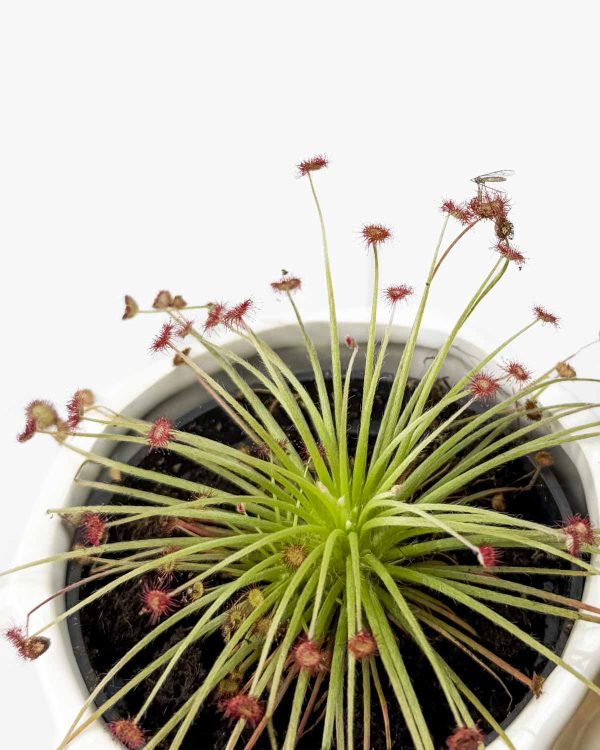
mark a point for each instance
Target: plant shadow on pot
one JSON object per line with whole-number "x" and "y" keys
{"x": 107, "y": 628}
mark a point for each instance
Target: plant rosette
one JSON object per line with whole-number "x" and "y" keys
{"x": 342, "y": 545}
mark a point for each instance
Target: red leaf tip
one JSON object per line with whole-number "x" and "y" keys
{"x": 160, "y": 432}
{"x": 465, "y": 738}
{"x": 244, "y": 707}
{"x": 375, "y": 234}
{"x": 312, "y": 165}
{"x": 509, "y": 252}
{"x": 459, "y": 211}
{"x": 484, "y": 386}
{"x": 307, "y": 655}
{"x": 362, "y": 645}
{"x": 92, "y": 528}
{"x": 39, "y": 415}
{"x": 28, "y": 647}
{"x": 164, "y": 338}
{"x": 128, "y": 733}
{"x": 157, "y": 601}
{"x": 490, "y": 207}
{"x": 395, "y": 294}
{"x": 517, "y": 372}
{"x": 578, "y": 531}
{"x": 215, "y": 316}
{"x": 488, "y": 557}
{"x": 235, "y": 317}
{"x": 286, "y": 284}
{"x": 545, "y": 316}
{"x": 81, "y": 400}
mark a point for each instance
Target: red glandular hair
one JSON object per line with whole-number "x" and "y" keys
{"x": 465, "y": 738}
{"x": 235, "y": 317}
{"x": 375, "y": 234}
{"x": 545, "y": 316}
{"x": 164, "y": 338}
{"x": 484, "y": 386}
{"x": 489, "y": 207}
{"x": 160, "y": 433}
{"x": 307, "y": 655}
{"x": 286, "y": 284}
{"x": 517, "y": 372}
{"x": 81, "y": 400}
{"x": 244, "y": 707}
{"x": 312, "y": 165}
{"x": 395, "y": 294}
{"x": 157, "y": 601}
{"x": 459, "y": 211}
{"x": 128, "y": 733}
{"x": 215, "y": 316}
{"x": 488, "y": 557}
{"x": 509, "y": 252}
{"x": 578, "y": 531}
{"x": 92, "y": 528}
{"x": 28, "y": 647}
{"x": 362, "y": 645}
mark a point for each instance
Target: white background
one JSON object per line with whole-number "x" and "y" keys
{"x": 149, "y": 145}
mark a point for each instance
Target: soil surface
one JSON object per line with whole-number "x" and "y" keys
{"x": 104, "y": 630}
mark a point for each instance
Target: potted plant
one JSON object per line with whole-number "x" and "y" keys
{"x": 335, "y": 535}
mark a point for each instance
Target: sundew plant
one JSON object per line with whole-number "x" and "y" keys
{"x": 327, "y": 553}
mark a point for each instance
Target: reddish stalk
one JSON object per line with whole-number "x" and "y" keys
{"x": 452, "y": 244}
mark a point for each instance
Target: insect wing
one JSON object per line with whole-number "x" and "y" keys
{"x": 499, "y": 176}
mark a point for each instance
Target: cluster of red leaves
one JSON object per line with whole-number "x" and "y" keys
{"x": 490, "y": 206}
{"x": 234, "y": 317}
{"x": 493, "y": 207}
{"x": 41, "y": 415}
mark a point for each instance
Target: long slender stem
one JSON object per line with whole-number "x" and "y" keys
{"x": 335, "y": 339}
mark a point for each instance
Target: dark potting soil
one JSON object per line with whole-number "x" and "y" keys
{"x": 106, "y": 629}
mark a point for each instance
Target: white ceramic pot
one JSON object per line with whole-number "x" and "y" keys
{"x": 537, "y": 727}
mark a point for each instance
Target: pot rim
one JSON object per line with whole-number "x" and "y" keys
{"x": 539, "y": 723}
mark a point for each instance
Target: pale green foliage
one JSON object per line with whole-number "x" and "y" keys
{"x": 339, "y": 541}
